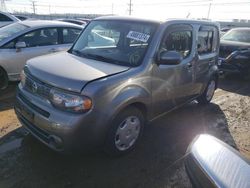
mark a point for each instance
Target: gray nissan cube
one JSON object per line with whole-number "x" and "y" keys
{"x": 120, "y": 74}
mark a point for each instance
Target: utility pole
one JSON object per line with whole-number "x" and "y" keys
{"x": 130, "y": 7}
{"x": 34, "y": 6}
{"x": 3, "y": 6}
{"x": 209, "y": 10}
{"x": 112, "y": 10}
{"x": 49, "y": 9}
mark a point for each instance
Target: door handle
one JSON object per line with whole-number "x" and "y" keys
{"x": 189, "y": 65}
{"x": 53, "y": 50}
{"x": 211, "y": 62}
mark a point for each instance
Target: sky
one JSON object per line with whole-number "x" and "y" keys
{"x": 155, "y": 9}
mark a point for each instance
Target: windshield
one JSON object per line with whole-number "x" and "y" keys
{"x": 117, "y": 42}
{"x": 10, "y": 30}
{"x": 238, "y": 36}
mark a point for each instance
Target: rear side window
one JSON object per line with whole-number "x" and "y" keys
{"x": 207, "y": 41}
{"x": 4, "y": 18}
{"x": 40, "y": 37}
{"x": 70, "y": 35}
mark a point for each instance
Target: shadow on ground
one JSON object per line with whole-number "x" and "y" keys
{"x": 156, "y": 162}
{"x": 7, "y": 97}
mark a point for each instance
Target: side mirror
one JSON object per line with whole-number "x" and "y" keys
{"x": 20, "y": 45}
{"x": 170, "y": 58}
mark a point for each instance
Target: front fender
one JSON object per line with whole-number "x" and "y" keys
{"x": 128, "y": 96}
{"x": 214, "y": 73}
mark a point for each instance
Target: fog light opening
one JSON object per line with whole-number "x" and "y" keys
{"x": 55, "y": 142}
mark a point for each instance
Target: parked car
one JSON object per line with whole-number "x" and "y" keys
{"x": 22, "y": 18}
{"x": 87, "y": 20}
{"x": 74, "y": 21}
{"x": 102, "y": 96}
{"x": 211, "y": 163}
{"x": 24, "y": 40}
{"x": 6, "y": 19}
{"x": 224, "y": 30}
{"x": 235, "y": 52}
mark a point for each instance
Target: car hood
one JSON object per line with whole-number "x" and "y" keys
{"x": 70, "y": 72}
{"x": 227, "y": 47}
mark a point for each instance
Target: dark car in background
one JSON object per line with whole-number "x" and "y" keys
{"x": 235, "y": 52}
{"x": 84, "y": 19}
{"x": 21, "y": 17}
{"x": 74, "y": 21}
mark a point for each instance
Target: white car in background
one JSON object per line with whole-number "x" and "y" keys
{"x": 6, "y": 19}
{"x": 24, "y": 40}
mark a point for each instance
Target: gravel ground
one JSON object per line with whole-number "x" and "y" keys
{"x": 157, "y": 161}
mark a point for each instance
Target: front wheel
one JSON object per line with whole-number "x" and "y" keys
{"x": 3, "y": 79}
{"x": 208, "y": 94}
{"x": 125, "y": 131}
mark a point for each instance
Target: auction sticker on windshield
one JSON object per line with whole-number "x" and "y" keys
{"x": 138, "y": 36}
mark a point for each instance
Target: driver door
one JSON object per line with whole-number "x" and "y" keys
{"x": 173, "y": 84}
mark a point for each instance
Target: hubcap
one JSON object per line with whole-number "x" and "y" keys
{"x": 127, "y": 133}
{"x": 210, "y": 90}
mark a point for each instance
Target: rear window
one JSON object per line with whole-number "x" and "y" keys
{"x": 11, "y": 30}
{"x": 4, "y": 18}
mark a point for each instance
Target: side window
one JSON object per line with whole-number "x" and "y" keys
{"x": 41, "y": 37}
{"x": 4, "y": 18}
{"x": 206, "y": 42}
{"x": 180, "y": 41}
{"x": 70, "y": 35}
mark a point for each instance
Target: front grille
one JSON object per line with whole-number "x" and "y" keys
{"x": 36, "y": 87}
{"x": 34, "y": 107}
{"x": 34, "y": 129}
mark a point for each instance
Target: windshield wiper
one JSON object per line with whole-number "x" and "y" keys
{"x": 76, "y": 52}
{"x": 104, "y": 59}
{"x": 99, "y": 58}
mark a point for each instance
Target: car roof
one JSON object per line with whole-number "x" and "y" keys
{"x": 47, "y": 23}
{"x": 130, "y": 18}
{"x": 241, "y": 28}
{"x": 127, "y": 18}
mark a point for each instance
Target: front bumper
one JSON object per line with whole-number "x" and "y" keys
{"x": 61, "y": 131}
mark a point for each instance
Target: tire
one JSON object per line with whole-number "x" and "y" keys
{"x": 122, "y": 136}
{"x": 208, "y": 94}
{"x": 3, "y": 79}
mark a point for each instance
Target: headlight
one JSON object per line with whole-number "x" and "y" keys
{"x": 22, "y": 78}
{"x": 70, "y": 102}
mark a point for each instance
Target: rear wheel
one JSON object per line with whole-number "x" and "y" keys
{"x": 208, "y": 94}
{"x": 3, "y": 79}
{"x": 125, "y": 132}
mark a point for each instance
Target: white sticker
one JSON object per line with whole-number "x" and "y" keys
{"x": 138, "y": 36}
